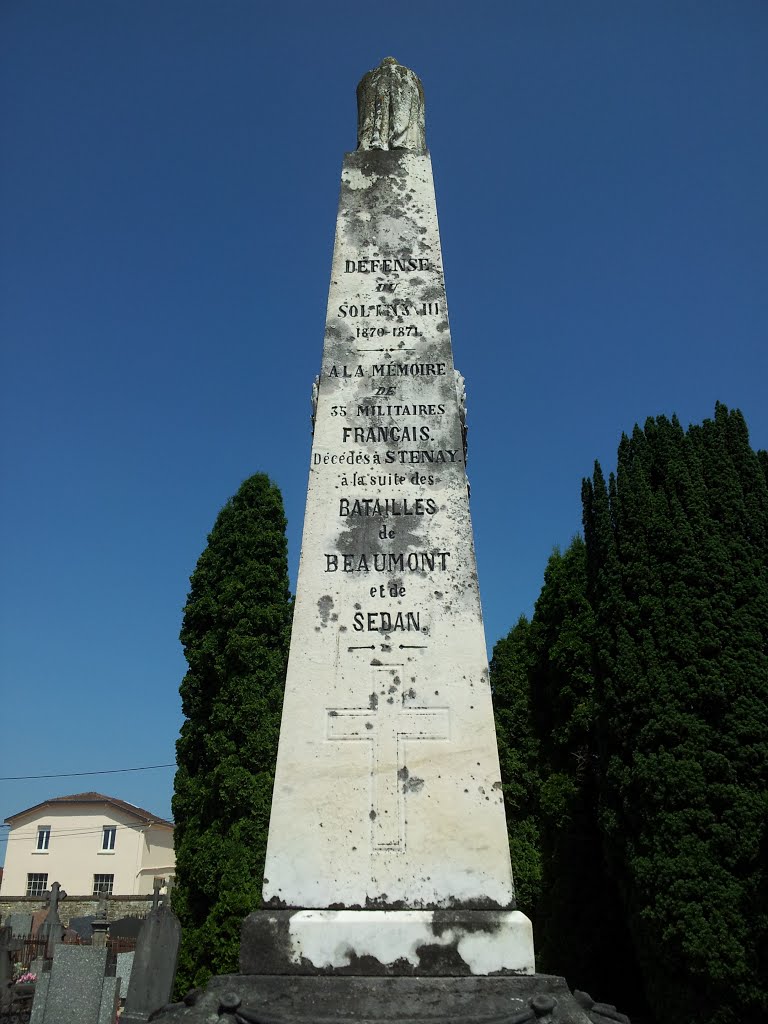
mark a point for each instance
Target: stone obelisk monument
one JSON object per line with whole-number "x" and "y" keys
{"x": 387, "y": 842}
{"x": 388, "y": 893}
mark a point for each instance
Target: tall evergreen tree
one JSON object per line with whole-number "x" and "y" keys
{"x": 582, "y": 938}
{"x": 518, "y": 757}
{"x": 542, "y": 680}
{"x": 677, "y": 564}
{"x": 235, "y": 634}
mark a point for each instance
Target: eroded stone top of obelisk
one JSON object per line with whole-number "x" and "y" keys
{"x": 390, "y": 109}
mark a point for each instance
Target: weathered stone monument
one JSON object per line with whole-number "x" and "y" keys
{"x": 153, "y": 965}
{"x": 387, "y": 841}
{"x": 388, "y": 890}
{"x": 78, "y": 989}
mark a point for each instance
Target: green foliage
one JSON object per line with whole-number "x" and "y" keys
{"x": 579, "y": 924}
{"x": 632, "y": 714}
{"x": 235, "y": 634}
{"x": 518, "y": 757}
{"x": 677, "y": 563}
{"x": 543, "y": 683}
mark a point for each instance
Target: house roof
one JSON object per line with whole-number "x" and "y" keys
{"x": 146, "y": 817}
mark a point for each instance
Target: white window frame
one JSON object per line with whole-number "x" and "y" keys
{"x": 108, "y": 838}
{"x": 37, "y": 882}
{"x": 106, "y": 880}
{"x": 43, "y": 839}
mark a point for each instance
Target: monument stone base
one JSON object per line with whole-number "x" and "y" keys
{"x": 330, "y": 999}
{"x": 387, "y": 942}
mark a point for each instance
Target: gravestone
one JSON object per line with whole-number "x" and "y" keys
{"x": 83, "y": 925}
{"x": 10, "y": 947}
{"x": 52, "y": 929}
{"x": 154, "y": 962}
{"x": 20, "y": 924}
{"x": 123, "y": 969}
{"x": 126, "y": 927}
{"x": 38, "y": 919}
{"x": 388, "y": 891}
{"x": 76, "y": 991}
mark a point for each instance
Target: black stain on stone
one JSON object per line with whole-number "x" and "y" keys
{"x": 373, "y": 701}
{"x": 324, "y": 606}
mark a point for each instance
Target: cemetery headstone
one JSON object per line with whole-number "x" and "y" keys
{"x": 38, "y": 918}
{"x": 77, "y": 990}
{"x": 20, "y": 924}
{"x": 83, "y": 925}
{"x": 154, "y": 962}
{"x": 126, "y": 927}
{"x": 124, "y": 968}
{"x": 10, "y": 946}
{"x": 52, "y": 929}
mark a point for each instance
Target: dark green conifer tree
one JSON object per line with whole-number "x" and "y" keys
{"x": 235, "y": 633}
{"x": 518, "y": 757}
{"x": 677, "y": 565}
{"x": 569, "y": 939}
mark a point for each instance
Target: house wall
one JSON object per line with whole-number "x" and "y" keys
{"x": 75, "y": 852}
{"x": 158, "y": 858}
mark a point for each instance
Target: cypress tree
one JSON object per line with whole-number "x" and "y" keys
{"x": 579, "y": 935}
{"x": 678, "y": 579}
{"x": 518, "y": 757}
{"x": 235, "y": 634}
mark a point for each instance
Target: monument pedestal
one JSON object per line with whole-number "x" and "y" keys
{"x": 387, "y": 942}
{"x": 323, "y": 999}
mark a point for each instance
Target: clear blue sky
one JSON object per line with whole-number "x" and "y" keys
{"x": 168, "y": 185}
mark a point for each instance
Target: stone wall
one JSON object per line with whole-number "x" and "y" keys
{"x": 78, "y": 906}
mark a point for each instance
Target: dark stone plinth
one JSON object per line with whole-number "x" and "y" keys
{"x": 326, "y": 999}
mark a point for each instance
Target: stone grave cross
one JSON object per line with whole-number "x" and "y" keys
{"x": 52, "y": 928}
{"x": 169, "y": 884}
{"x": 387, "y": 723}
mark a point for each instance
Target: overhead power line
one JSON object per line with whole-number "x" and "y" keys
{"x": 66, "y": 833}
{"x": 71, "y": 775}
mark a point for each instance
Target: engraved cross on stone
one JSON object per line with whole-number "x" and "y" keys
{"x": 389, "y": 720}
